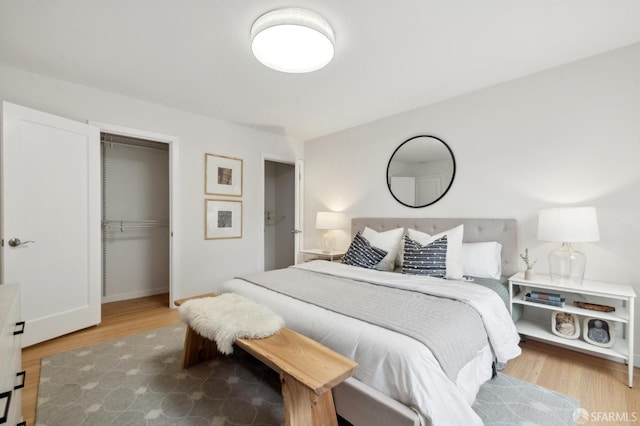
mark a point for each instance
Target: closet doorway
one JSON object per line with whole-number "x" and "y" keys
{"x": 281, "y": 227}
{"x": 137, "y": 214}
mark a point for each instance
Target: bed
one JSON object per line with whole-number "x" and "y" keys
{"x": 409, "y": 372}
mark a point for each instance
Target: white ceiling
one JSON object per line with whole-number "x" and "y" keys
{"x": 391, "y": 55}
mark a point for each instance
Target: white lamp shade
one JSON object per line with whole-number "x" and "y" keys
{"x": 568, "y": 224}
{"x": 328, "y": 220}
{"x": 292, "y": 40}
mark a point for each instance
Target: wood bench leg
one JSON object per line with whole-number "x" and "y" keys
{"x": 302, "y": 406}
{"x": 197, "y": 349}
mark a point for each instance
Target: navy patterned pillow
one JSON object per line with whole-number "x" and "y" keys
{"x": 428, "y": 260}
{"x": 362, "y": 253}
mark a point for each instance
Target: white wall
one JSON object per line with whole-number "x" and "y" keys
{"x": 566, "y": 136}
{"x": 201, "y": 262}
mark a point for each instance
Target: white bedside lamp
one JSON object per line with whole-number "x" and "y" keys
{"x": 568, "y": 225}
{"x": 328, "y": 221}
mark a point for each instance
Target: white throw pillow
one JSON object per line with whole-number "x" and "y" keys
{"x": 389, "y": 241}
{"x": 482, "y": 259}
{"x": 454, "y": 248}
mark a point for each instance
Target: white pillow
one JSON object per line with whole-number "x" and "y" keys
{"x": 482, "y": 259}
{"x": 454, "y": 248}
{"x": 389, "y": 241}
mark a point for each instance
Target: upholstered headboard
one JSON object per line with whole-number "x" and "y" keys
{"x": 504, "y": 231}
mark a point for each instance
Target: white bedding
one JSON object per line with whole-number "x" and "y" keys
{"x": 392, "y": 363}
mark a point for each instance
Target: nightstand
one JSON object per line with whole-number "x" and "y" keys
{"x": 319, "y": 254}
{"x": 536, "y": 319}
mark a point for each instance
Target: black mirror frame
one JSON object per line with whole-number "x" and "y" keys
{"x": 453, "y": 174}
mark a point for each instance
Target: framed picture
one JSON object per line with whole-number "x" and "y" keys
{"x": 598, "y": 331}
{"x": 565, "y": 325}
{"x": 222, "y": 219}
{"x": 222, "y": 175}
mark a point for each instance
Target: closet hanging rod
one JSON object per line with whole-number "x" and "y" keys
{"x": 147, "y": 221}
{"x": 132, "y": 224}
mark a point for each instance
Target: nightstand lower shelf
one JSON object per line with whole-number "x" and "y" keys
{"x": 540, "y": 330}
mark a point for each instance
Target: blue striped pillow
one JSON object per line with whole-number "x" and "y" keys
{"x": 430, "y": 260}
{"x": 362, "y": 253}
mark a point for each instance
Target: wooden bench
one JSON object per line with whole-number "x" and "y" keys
{"x": 308, "y": 370}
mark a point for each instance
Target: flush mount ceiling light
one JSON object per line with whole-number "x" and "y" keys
{"x": 292, "y": 40}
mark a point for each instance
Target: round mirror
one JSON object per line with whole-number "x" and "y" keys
{"x": 421, "y": 171}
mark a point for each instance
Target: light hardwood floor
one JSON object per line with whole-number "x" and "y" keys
{"x": 600, "y": 385}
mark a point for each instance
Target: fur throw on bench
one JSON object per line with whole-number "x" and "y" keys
{"x": 228, "y": 317}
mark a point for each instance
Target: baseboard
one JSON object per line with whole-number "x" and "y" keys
{"x": 134, "y": 294}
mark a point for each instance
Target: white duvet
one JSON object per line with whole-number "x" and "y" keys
{"x": 392, "y": 363}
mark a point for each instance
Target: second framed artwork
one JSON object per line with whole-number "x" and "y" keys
{"x": 223, "y": 175}
{"x": 222, "y": 219}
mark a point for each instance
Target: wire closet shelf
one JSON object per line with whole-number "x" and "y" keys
{"x": 125, "y": 225}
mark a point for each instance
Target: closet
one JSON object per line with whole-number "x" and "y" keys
{"x": 279, "y": 215}
{"x": 135, "y": 217}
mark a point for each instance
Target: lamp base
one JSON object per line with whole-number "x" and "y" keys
{"x": 328, "y": 243}
{"x": 567, "y": 265}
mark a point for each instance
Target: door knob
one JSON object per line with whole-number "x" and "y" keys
{"x": 15, "y": 242}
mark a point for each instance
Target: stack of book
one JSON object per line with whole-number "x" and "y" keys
{"x": 553, "y": 299}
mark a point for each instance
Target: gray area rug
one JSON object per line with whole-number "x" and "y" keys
{"x": 506, "y": 400}
{"x": 138, "y": 380}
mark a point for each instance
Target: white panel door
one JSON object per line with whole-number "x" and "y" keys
{"x": 428, "y": 189}
{"x": 51, "y": 196}
{"x": 298, "y": 211}
{"x": 404, "y": 189}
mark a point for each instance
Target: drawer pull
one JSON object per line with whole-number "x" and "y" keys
{"x": 21, "y": 325}
{"x": 4, "y": 416}
{"x": 24, "y": 379}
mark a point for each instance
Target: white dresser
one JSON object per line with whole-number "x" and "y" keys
{"x": 12, "y": 377}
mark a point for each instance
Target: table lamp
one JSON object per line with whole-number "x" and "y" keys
{"x": 568, "y": 225}
{"x": 328, "y": 221}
